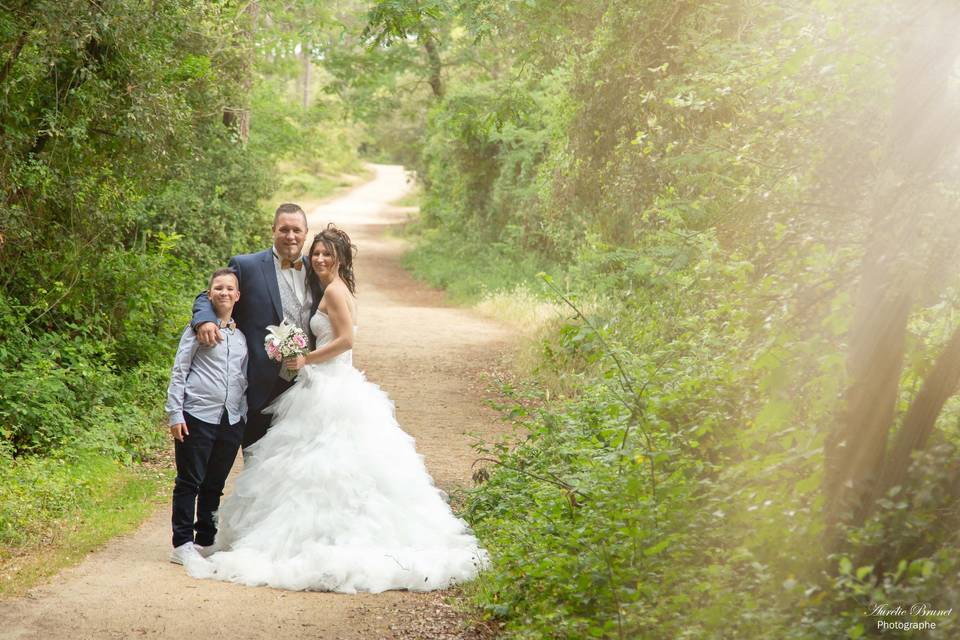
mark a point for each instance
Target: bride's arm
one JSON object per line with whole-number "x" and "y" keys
{"x": 338, "y": 310}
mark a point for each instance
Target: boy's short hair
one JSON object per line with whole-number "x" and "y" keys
{"x": 222, "y": 271}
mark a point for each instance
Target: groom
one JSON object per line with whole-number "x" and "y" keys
{"x": 273, "y": 287}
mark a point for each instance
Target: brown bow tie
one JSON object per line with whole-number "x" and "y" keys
{"x": 228, "y": 325}
{"x": 296, "y": 264}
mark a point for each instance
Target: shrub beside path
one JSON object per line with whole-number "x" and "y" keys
{"x": 427, "y": 355}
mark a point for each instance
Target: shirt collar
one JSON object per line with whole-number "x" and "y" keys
{"x": 278, "y": 261}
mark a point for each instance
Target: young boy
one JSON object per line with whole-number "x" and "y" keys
{"x": 207, "y": 407}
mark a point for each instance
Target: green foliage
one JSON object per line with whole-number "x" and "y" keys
{"x": 393, "y": 20}
{"x": 320, "y": 138}
{"x": 700, "y": 179}
{"x": 498, "y": 264}
{"x": 36, "y": 491}
{"x": 121, "y": 188}
{"x": 59, "y": 510}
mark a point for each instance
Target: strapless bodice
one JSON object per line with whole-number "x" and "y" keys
{"x": 323, "y": 330}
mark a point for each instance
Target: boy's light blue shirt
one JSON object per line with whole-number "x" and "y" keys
{"x": 206, "y": 381}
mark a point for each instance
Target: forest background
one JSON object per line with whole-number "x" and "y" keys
{"x": 733, "y": 225}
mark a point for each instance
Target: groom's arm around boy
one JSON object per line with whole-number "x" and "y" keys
{"x": 207, "y": 406}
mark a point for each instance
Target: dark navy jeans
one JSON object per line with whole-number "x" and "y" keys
{"x": 204, "y": 459}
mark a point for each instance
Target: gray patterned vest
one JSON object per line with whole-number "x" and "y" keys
{"x": 293, "y": 312}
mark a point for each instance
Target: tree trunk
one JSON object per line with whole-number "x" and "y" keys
{"x": 434, "y": 65}
{"x": 17, "y": 47}
{"x": 305, "y": 59}
{"x": 922, "y": 130}
{"x": 238, "y": 118}
{"x": 855, "y": 450}
{"x": 95, "y": 53}
{"x": 939, "y": 385}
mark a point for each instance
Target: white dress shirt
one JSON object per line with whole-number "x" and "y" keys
{"x": 297, "y": 279}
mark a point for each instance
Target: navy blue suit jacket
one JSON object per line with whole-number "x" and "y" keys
{"x": 259, "y": 306}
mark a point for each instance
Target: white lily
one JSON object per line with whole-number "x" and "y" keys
{"x": 279, "y": 334}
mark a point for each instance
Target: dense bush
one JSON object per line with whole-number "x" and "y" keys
{"x": 727, "y": 192}
{"x": 126, "y": 175}
{"x": 121, "y": 187}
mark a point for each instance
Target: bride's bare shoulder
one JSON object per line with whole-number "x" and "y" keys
{"x": 337, "y": 293}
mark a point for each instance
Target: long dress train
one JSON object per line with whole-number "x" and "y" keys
{"x": 335, "y": 497}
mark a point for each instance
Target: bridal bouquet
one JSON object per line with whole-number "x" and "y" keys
{"x": 285, "y": 341}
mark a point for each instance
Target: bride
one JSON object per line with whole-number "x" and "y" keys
{"x": 335, "y": 497}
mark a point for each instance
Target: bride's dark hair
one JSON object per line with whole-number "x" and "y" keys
{"x": 338, "y": 243}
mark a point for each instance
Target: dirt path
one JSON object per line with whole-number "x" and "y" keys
{"x": 426, "y": 355}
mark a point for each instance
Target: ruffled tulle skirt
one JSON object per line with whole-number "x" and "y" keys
{"x": 335, "y": 498}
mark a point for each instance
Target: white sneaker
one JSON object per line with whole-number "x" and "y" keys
{"x": 206, "y": 552}
{"x": 185, "y": 552}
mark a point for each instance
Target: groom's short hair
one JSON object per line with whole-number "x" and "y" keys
{"x": 289, "y": 207}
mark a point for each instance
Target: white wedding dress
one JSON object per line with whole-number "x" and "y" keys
{"x": 335, "y": 497}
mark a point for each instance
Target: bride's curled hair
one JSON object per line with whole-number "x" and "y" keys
{"x": 338, "y": 243}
